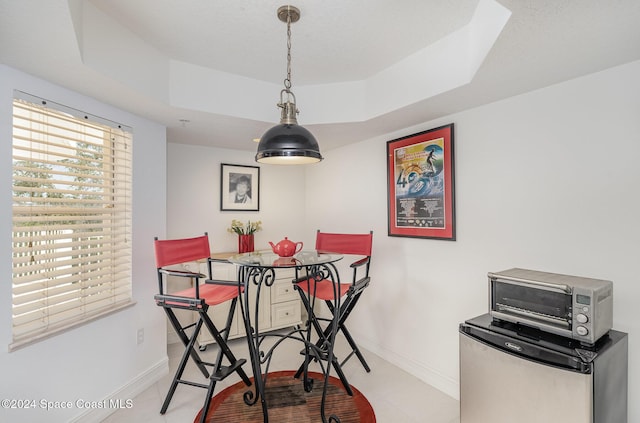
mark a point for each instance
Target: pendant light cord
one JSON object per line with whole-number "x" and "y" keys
{"x": 287, "y": 98}
{"x": 287, "y": 81}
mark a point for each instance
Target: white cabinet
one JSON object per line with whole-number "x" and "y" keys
{"x": 286, "y": 307}
{"x": 280, "y": 304}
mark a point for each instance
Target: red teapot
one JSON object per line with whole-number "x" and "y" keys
{"x": 286, "y": 248}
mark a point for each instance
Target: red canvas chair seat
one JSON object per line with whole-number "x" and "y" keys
{"x": 324, "y": 289}
{"x": 198, "y": 299}
{"x": 211, "y": 294}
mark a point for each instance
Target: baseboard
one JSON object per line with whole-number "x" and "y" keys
{"x": 122, "y": 397}
{"x": 430, "y": 376}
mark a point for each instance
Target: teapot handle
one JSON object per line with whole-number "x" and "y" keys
{"x": 298, "y": 247}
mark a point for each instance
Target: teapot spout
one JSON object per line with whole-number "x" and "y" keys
{"x": 273, "y": 247}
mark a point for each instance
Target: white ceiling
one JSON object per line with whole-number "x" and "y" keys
{"x": 220, "y": 64}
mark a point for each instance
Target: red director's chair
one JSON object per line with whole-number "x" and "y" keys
{"x": 347, "y": 244}
{"x": 199, "y": 298}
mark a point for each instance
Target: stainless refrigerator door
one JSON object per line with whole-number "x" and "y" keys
{"x": 497, "y": 387}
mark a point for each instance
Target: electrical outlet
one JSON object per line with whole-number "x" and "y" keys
{"x": 140, "y": 336}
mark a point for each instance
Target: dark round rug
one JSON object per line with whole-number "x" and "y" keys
{"x": 288, "y": 402}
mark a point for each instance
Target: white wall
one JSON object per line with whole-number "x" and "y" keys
{"x": 193, "y": 193}
{"x": 100, "y": 360}
{"x": 548, "y": 180}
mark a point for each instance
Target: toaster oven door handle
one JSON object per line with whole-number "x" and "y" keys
{"x": 537, "y": 284}
{"x": 502, "y": 309}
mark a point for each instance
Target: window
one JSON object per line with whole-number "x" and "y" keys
{"x": 71, "y": 218}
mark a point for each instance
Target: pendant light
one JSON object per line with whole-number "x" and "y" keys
{"x": 288, "y": 142}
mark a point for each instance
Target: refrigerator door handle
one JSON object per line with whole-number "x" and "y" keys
{"x": 513, "y": 346}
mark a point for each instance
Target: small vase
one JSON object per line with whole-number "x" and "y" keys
{"x": 245, "y": 243}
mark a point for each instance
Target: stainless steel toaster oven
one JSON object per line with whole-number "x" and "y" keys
{"x": 574, "y": 307}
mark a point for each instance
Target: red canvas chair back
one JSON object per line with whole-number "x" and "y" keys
{"x": 355, "y": 244}
{"x": 176, "y": 251}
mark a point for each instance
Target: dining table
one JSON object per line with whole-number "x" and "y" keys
{"x": 256, "y": 271}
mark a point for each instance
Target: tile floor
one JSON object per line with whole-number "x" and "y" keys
{"x": 396, "y": 396}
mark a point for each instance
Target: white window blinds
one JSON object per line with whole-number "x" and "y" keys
{"x": 71, "y": 218}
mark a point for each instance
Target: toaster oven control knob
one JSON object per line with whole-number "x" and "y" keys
{"x": 581, "y": 318}
{"x": 582, "y": 331}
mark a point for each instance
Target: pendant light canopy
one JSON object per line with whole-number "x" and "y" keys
{"x": 288, "y": 142}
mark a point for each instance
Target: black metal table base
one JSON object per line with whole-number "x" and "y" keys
{"x": 257, "y": 277}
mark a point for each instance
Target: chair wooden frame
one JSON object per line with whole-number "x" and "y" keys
{"x": 197, "y": 299}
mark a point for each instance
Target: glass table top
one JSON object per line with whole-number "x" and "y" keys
{"x": 267, "y": 258}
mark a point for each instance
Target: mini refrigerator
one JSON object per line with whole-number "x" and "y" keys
{"x": 511, "y": 373}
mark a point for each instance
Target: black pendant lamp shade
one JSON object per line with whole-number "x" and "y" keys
{"x": 288, "y": 142}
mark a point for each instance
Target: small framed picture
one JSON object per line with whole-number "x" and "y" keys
{"x": 420, "y": 185}
{"x": 239, "y": 187}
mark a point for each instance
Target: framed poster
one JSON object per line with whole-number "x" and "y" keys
{"x": 239, "y": 187}
{"x": 421, "y": 186}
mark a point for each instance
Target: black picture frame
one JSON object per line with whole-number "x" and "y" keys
{"x": 239, "y": 187}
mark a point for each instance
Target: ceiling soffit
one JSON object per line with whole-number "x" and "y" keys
{"x": 451, "y": 62}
